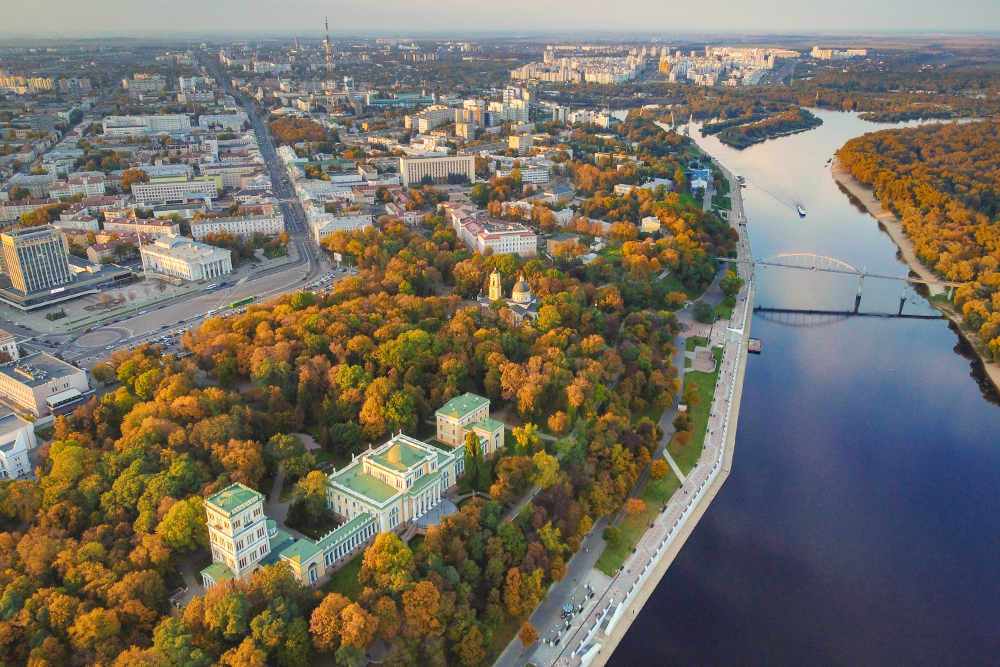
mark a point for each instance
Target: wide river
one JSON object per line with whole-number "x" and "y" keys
{"x": 861, "y": 522}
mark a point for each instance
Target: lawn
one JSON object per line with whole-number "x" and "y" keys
{"x": 655, "y": 494}
{"x": 687, "y": 363}
{"x": 723, "y": 202}
{"x": 686, "y": 456}
{"x": 345, "y": 580}
{"x": 672, "y": 284}
{"x": 502, "y": 636}
{"x": 694, "y": 341}
{"x": 725, "y": 309}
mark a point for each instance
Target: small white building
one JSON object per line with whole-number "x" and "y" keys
{"x": 185, "y": 258}
{"x": 8, "y": 345}
{"x": 17, "y": 436}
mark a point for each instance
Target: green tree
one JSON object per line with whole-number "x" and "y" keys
{"x": 731, "y": 284}
{"x": 702, "y": 312}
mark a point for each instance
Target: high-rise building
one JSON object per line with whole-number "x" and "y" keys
{"x": 35, "y": 258}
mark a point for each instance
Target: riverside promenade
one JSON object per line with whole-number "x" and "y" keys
{"x": 592, "y": 635}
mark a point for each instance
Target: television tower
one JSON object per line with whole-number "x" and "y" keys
{"x": 329, "y": 59}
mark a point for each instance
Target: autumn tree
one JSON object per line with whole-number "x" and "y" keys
{"x": 527, "y": 634}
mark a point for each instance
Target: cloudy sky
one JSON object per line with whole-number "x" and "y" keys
{"x": 167, "y": 18}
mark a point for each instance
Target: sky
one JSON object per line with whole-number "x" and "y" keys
{"x": 170, "y": 18}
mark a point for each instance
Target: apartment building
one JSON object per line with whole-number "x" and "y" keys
{"x": 17, "y": 436}
{"x": 243, "y": 226}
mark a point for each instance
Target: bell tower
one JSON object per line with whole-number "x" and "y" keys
{"x": 495, "y": 289}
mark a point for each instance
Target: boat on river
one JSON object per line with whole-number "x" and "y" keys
{"x": 802, "y": 211}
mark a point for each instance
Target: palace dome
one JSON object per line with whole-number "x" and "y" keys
{"x": 522, "y": 292}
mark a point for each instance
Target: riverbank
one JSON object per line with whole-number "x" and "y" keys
{"x": 702, "y": 484}
{"x": 894, "y": 228}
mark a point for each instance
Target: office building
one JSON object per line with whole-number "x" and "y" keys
{"x": 13, "y": 210}
{"x": 414, "y": 169}
{"x": 181, "y": 257}
{"x": 40, "y": 383}
{"x": 17, "y": 436}
{"x": 35, "y": 258}
{"x": 243, "y": 226}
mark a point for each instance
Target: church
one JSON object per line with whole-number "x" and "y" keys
{"x": 522, "y": 303}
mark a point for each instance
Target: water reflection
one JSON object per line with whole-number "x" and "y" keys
{"x": 859, "y": 525}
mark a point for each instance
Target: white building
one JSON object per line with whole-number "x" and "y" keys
{"x": 17, "y": 436}
{"x": 166, "y": 192}
{"x": 327, "y": 223}
{"x": 533, "y": 174}
{"x": 232, "y": 122}
{"x": 184, "y": 258}
{"x": 8, "y": 345}
{"x": 414, "y": 169}
{"x": 133, "y": 126}
{"x": 41, "y": 383}
{"x": 243, "y": 226}
{"x": 146, "y": 229}
{"x": 480, "y": 232}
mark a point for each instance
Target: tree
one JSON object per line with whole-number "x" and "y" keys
{"x": 18, "y": 193}
{"x": 546, "y": 469}
{"x": 702, "y": 312}
{"x": 658, "y": 469}
{"x": 175, "y": 643}
{"x": 474, "y": 461}
{"x": 420, "y": 611}
{"x": 634, "y": 506}
{"x": 528, "y": 635}
{"x": 302, "y": 300}
{"x": 357, "y": 627}
{"x": 325, "y": 623}
{"x": 731, "y": 284}
{"x": 245, "y": 655}
{"x": 612, "y": 535}
{"x": 559, "y": 423}
{"x": 183, "y": 528}
{"x": 388, "y": 563}
{"x": 131, "y": 176}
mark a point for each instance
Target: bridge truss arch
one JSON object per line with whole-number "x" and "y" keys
{"x": 808, "y": 260}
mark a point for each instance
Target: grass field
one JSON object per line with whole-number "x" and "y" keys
{"x": 655, "y": 494}
{"x": 723, "y": 202}
{"x": 345, "y": 580}
{"x": 725, "y": 309}
{"x": 694, "y": 341}
{"x": 686, "y": 456}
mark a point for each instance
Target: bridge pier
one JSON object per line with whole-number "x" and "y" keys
{"x": 902, "y": 299}
{"x": 857, "y": 299}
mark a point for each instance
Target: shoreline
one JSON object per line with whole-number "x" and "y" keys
{"x": 894, "y": 228}
{"x": 637, "y": 600}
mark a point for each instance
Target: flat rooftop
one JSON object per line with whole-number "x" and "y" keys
{"x": 37, "y": 369}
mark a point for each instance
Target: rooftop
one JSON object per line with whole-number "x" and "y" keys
{"x": 233, "y": 497}
{"x": 37, "y": 369}
{"x": 400, "y": 457}
{"x": 218, "y": 571}
{"x": 363, "y": 484}
{"x": 462, "y": 405}
{"x": 488, "y": 425}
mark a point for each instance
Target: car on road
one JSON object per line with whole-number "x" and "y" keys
{"x": 143, "y": 312}
{"x": 110, "y": 347}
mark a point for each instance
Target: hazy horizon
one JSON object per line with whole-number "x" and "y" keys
{"x": 26, "y": 19}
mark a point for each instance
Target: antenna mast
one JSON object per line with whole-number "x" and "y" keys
{"x": 329, "y": 60}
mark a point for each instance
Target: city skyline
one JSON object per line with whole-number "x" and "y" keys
{"x": 226, "y": 17}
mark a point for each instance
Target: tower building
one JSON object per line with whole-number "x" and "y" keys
{"x": 35, "y": 258}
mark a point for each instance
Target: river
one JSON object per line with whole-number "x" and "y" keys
{"x": 860, "y": 524}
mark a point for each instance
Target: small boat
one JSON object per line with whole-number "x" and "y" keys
{"x": 801, "y": 210}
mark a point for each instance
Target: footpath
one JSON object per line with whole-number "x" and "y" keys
{"x": 604, "y": 607}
